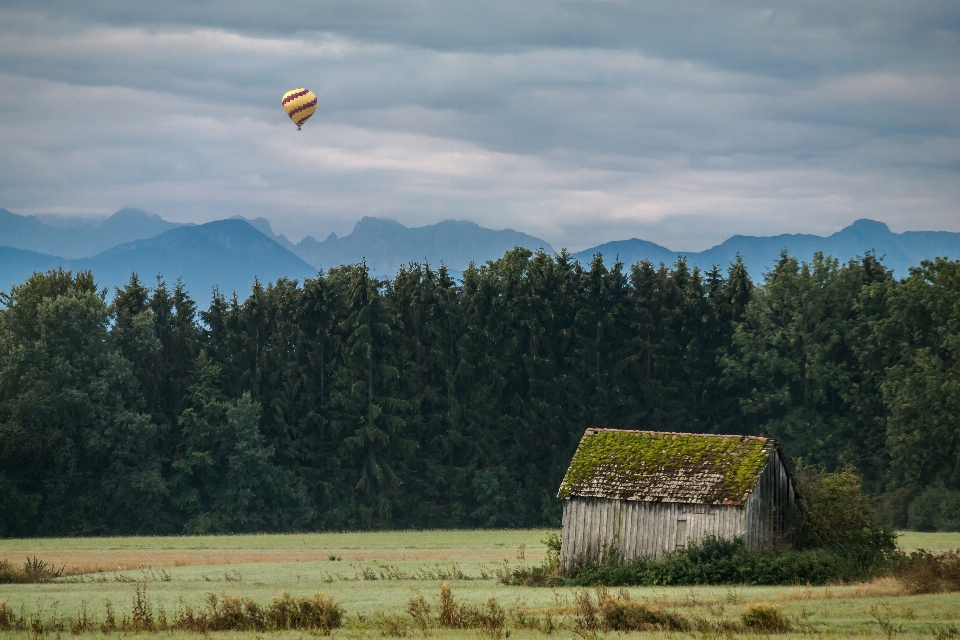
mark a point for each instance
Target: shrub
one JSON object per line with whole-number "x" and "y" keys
{"x": 765, "y": 617}
{"x": 489, "y": 618}
{"x": 623, "y": 614}
{"x": 447, "y": 609}
{"x": 620, "y": 613}
{"x": 318, "y": 613}
{"x": 551, "y": 562}
{"x": 10, "y": 621}
{"x": 546, "y": 574}
{"x": 720, "y": 561}
{"x": 419, "y": 609}
{"x": 234, "y": 613}
{"x": 836, "y": 512}
{"x": 391, "y": 626}
{"x": 924, "y": 572}
{"x": 34, "y": 571}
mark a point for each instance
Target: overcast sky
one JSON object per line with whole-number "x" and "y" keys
{"x": 579, "y": 122}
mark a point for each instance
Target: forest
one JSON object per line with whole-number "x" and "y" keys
{"x": 347, "y": 402}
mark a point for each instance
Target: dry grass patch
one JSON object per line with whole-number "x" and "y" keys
{"x": 877, "y": 588}
{"x": 76, "y": 561}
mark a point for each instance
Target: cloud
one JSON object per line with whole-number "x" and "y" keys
{"x": 580, "y": 122}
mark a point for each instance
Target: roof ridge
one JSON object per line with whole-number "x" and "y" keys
{"x": 678, "y": 433}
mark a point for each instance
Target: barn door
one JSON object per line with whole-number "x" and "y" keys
{"x": 681, "y": 534}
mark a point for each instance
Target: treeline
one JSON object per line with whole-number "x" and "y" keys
{"x": 350, "y": 402}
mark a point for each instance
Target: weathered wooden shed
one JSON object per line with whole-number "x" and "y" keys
{"x": 647, "y": 492}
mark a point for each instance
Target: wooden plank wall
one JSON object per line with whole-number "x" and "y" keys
{"x": 594, "y": 526}
{"x": 770, "y": 508}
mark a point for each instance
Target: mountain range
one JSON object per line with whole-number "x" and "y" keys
{"x": 230, "y": 254}
{"x": 899, "y": 251}
{"x": 386, "y": 245}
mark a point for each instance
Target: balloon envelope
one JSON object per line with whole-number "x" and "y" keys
{"x": 299, "y": 105}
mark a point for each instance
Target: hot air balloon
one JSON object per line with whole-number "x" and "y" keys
{"x": 299, "y": 105}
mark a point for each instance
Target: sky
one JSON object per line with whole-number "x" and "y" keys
{"x": 677, "y": 122}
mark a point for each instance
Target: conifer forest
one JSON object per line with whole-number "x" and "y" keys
{"x": 347, "y": 402}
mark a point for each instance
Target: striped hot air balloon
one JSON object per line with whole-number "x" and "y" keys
{"x": 299, "y": 105}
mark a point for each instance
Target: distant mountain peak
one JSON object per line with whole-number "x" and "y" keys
{"x": 259, "y": 223}
{"x": 369, "y": 224}
{"x": 873, "y": 225}
{"x": 136, "y": 220}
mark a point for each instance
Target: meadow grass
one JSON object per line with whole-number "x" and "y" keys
{"x": 939, "y": 541}
{"x": 372, "y": 540}
{"x": 419, "y": 562}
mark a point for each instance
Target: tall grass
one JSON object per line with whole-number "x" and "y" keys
{"x": 319, "y": 613}
{"x": 33, "y": 571}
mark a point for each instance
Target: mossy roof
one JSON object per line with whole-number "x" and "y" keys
{"x": 655, "y": 466}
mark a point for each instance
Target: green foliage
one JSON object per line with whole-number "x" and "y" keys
{"x": 77, "y": 455}
{"x": 765, "y": 618}
{"x": 808, "y": 363}
{"x": 552, "y": 559}
{"x": 349, "y": 402}
{"x": 719, "y": 561}
{"x": 922, "y": 388}
{"x": 835, "y": 511}
{"x": 936, "y": 509}
{"x": 224, "y": 479}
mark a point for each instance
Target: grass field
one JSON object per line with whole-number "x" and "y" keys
{"x": 374, "y": 574}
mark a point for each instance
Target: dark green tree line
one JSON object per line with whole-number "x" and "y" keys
{"x": 348, "y": 402}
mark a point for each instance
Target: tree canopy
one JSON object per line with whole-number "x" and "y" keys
{"x": 350, "y": 402}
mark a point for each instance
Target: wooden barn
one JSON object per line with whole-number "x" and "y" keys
{"x": 646, "y": 492}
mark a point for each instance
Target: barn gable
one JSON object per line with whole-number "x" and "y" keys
{"x": 666, "y": 467}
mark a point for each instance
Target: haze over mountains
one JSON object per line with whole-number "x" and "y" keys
{"x": 386, "y": 244}
{"x": 36, "y": 233}
{"x": 230, "y": 254}
{"x": 899, "y": 251}
{"x": 226, "y": 254}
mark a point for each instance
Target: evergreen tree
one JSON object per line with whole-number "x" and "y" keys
{"x": 76, "y": 454}
{"x": 922, "y": 389}
{"x": 224, "y": 477}
{"x": 798, "y": 352}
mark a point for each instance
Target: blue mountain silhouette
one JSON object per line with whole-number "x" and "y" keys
{"x": 899, "y": 251}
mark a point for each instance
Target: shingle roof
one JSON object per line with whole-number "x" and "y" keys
{"x": 666, "y": 467}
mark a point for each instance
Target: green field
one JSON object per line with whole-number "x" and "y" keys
{"x": 378, "y": 572}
